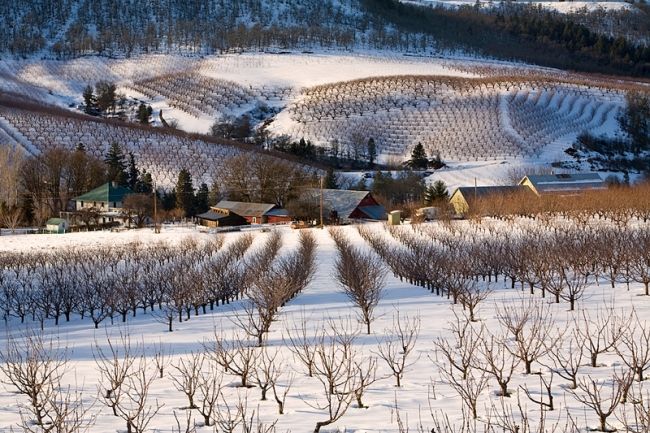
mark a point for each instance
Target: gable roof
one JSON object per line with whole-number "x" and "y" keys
{"x": 471, "y": 192}
{"x": 565, "y": 182}
{"x": 55, "y": 221}
{"x": 212, "y": 215}
{"x": 244, "y": 208}
{"x": 107, "y": 192}
{"x": 345, "y": 201}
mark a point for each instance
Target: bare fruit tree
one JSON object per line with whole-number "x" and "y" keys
{"x": 531, "y": 325}
{"x": 603, "y": 397}
{"x": 398, "y": 346}
{"x": 186, "y": 375}
{"x": 208, "y": 393}
{"x": 303, "y": 344}
{"x": 497, "y": 361}
{"x": 336, "y": 371}
{"x": 634, "y": 347}
{"x": 460, "y": 352}
{"x": 600, "y": 331}
{"x": 34, "y": 367}
{"x": 115, "y": 364}
{"x": 236, "y": 356}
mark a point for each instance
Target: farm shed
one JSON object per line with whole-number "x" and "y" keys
{"x": 254, "y": 213}
{"x": 563, "y": 184}
{"x": 214, "y": 218}
{"x": 56, "y": 225}
{"x": 465, "y": 198}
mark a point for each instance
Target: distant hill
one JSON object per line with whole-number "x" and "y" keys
{"x": 613, "y": 41}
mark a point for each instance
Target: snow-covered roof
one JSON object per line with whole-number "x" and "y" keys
{"x": 244, "y": 208}
{"x": 565, "y": 182}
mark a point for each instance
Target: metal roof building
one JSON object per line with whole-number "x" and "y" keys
{"x": 349, "y": 204}
{"x": 563, "y": 183}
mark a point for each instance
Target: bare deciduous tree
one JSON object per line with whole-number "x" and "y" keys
{"x": 634, "y": 347}
{"x": 599, "y": 331}
{"x": 187, "y": 375}
{"x": 461, "y": 351}
{"x": 531, "y": 324}
{"x": 601, "y": 396}
{"x": 335, "y": 370}
{"x": 396, "y": 349}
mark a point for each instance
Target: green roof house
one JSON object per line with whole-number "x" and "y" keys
{"x": 105, "y": 198}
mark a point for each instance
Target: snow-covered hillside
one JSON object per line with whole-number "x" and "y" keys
{"x": 467, "y": 110}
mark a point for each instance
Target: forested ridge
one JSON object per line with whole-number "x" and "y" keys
{"x": 72, "y": 28}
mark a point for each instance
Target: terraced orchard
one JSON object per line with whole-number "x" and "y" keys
{"x": 461, "y": 119}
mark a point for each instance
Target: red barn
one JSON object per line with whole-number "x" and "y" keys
{"x": 351, "y": 205}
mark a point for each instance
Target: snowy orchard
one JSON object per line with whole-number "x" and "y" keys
{"x": 472, "y": 329}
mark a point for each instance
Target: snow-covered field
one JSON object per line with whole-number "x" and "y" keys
{"x": 424, "y": 389}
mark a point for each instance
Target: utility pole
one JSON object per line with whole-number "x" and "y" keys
{"x": 321, "y": 201}
{"x": 155, "y": 210}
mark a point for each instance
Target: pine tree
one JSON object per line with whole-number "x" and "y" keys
{"x": 418, "y": 157}
{"x": 168, "y": 200}
{"x": 436, "y": 193}
{"x": 89, "y": 100}
{"x": 106, "y": 97}
{"x": 372, "y": 151}
{"x": 330, "y": 181}
{"x": 185, "y": 193}
{"x": 143, "y": 114}
{"x": 202, "y": 199}
{"x": 635, "y": 120}
{"x": 215, "y": 194}
{"x": 133, "y": 173}
{"x": 116, "y": 165}
{"x": 145, "y": 183}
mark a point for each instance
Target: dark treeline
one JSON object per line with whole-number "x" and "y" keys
{"x": 515, "y": 31}
{"x": 526, "y": 33}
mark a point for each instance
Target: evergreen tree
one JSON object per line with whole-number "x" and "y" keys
{"x": 635, "y": 120}
{"x": 168, "y": 200}
{"x": 418, "y": 157}
{"x": 215, "y": 195}
{"x": 27, "y": 208}
{"x": 372, "y": 151}
{"x": 116, "y": 165}
{"x": 185, "y": 193}
{"x": 143, "y": 114}
{"x": 106, "y": 97}
{"x": 89, "y": 100}
{"x": 436, "y": 193}
{"x": 330, "y": 181}
{"x": 145, "y": 183}
{"x": 202, "y": 199}
{"x": 133, "y": 173}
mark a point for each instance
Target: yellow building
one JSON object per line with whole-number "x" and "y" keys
{"x": 464, "y": 199}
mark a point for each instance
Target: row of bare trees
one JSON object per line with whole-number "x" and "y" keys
{"x": 272, "y": 282}
{"x": 102, "y": 283}
{"x": 548, "y": 261}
